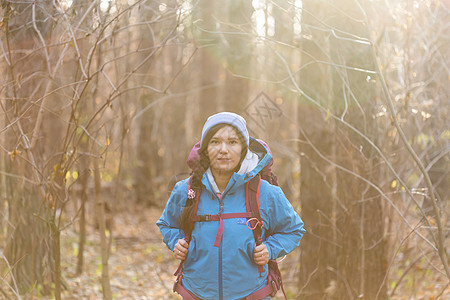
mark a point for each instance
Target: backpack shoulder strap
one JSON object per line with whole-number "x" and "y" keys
{"x": 252, "y": 202}
{"x": 274, "y": 277}
{"x": 192, "y": 193}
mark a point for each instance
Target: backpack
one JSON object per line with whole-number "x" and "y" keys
{"x": 254, "y": 222}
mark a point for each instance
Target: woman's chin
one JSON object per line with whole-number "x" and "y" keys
{"x": 222, "y": 170}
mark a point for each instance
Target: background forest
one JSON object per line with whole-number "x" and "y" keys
{"x": 101, "y": 101}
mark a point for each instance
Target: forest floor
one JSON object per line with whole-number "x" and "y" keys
{"x": 141, "y": 267}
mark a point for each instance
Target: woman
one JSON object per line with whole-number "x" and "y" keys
{"x": 221, "y": 259}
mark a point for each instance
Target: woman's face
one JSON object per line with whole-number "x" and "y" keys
{"x": 224, "y": 151}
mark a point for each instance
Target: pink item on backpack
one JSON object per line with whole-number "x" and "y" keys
{"x": 194, "y": 157}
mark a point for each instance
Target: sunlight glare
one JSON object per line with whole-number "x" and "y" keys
{"x": 104, "y": 5}
{"x": 185, "y": 8}
{"x": 258, "y": 18}
{"x": 262, "y": 7}
{"x": 162, "y": 7}
{"x": 65, "y": 4}
{"x": 298, "y": 6}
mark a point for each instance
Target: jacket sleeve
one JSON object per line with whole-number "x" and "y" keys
{"x": 169, "y": 222}
{"x": 285, "y": 225}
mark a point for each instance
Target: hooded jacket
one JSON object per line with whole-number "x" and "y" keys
{"x": 229, "y": 271}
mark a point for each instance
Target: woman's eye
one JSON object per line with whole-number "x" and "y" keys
{"x": 214, "y": 142}
{"x": 233, "y": 142}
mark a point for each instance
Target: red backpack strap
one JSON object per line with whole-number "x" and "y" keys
{"x": 274, "y": 281}
{"x": 252, "y": 202}
{"x": 274, "y": 278}
{"x": 178, "y": 287}
{"x": 192, "y": 193}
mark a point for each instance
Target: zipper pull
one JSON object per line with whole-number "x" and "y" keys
{"x": 221, "y": 208}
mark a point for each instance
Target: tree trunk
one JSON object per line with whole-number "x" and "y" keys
{"x": 83, "y": 177}
{"x": 100, "y": 212}
{"x": 29, "y": 249}
{"x": 346, "y": 213}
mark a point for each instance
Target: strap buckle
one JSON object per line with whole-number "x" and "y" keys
{"x": 258, "y": 223}
{"x": 175, "y": 285}
{"x": 205, "y": 218}
{"x": 274, "y": 288}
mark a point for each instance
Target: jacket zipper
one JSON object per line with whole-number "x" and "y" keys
{"x": 220, "y": 272}
{"x": 220, "y": 254}
{"x": 221, "y": 242}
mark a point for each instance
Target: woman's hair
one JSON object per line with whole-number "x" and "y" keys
{"x": 197, "y": 174}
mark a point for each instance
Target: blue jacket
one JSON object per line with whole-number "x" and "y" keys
{"x": 228, "y": 271}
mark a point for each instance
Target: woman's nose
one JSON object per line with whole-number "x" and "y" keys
{"x": 223, "y": 147}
